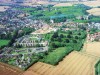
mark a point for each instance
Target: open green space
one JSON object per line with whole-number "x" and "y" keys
{"x": 74, "y": 39}
{"x": 56, "y": 55}
{"x": 57, "y": 13}
{"x": 4, "y": 42}
{"x": 60, "y": 14}
{"x": 97, "y": 68}
{"x": 62, "y": 43}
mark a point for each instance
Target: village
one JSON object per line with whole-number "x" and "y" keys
{"x": 36, "y": 31}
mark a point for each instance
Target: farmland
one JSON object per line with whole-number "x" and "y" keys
{"x": 57, "y": 45}
{"x": 93, "y": 48}
{"x": 68, "y": 65}
{"x": 94, "y": 11}
{"x": 63, "y": 4}
{"x": 86, "y": 62}
{"x": 56, "y": 56}
{"x": 92, "y": 3}
{"x": 52, "y": 12}
{"x": 87, "y": 3}
{"x": 61, "y": 12}
{"x": 10, "y": 70}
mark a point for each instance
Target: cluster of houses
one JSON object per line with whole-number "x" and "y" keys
{"x": 84, "y": 17}
{"x": 20, "y": 57}
{"x": 94, "y": 37}
{"x": 14, "y": 19}
{"x": 31, "y": 41}
{"x": 9, "y": 21}
{"x": 94, "y": 25}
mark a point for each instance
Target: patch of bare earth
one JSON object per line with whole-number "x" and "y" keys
{"x": 44, "y": 30}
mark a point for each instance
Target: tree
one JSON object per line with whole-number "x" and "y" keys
{"x": 67, "y": 40}
{"x": 55, "y": 35}
{"x": 76, "y": 37}
{"x": 61, "y": 36}
{"x": 74, "y": 41}
{"x": 69, "y": 32}
{"x": 53, "y": 45}
{"x": 69, "y": 36}
{"x": 59, "y": 39}
{"x": 79, "y": 33}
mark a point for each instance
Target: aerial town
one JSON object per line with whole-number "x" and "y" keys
{"x": 49, "y": 37}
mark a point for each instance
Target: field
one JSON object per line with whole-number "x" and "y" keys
{"x": 94, "y": 11}
{"x": 92, "y": 3}
{"x": 93, "y": 48}
{"x": 9, "y": 70}
{"x": 63, "y": 4}
{"x": 53, "y": 12}
{"x": 3, "y": 42}
{"x": 3, "y": 8}
{"x": 87, "y": 3}
{"x": 56, "y": 56}
{"x": 84, "y": 65}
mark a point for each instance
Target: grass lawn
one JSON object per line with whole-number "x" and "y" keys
{"x": 4, "y": 42}
{"x": 81, "y": 21}
{"x": 48, "y": 36}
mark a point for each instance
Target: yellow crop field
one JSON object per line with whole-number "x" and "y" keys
{"x": 76, "y": 63}
{"x": 63, "y": 4}
{"x": 94, "y": 11}
{"x": 93, "y": 48}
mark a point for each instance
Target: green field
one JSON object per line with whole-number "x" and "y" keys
{"x": 53, "y": 12}
{"x": 56, "y": 55}
{"x": 97, "y": 68}
{"x": 4, "y": 42}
